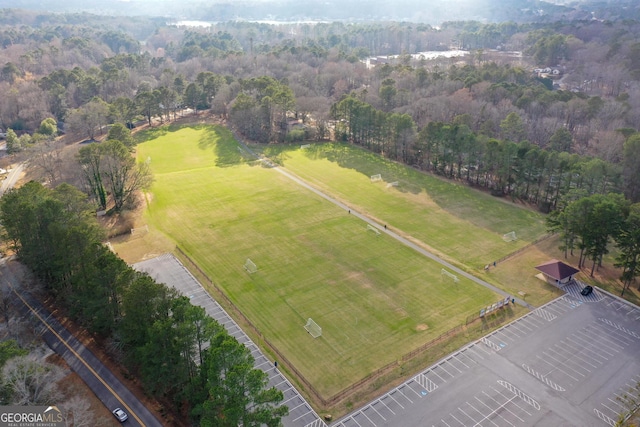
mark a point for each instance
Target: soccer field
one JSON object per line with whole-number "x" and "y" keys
{"x": 374, "y": 298}
{"x": 463, "y": 224}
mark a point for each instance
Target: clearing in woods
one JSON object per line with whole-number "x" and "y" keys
{"x": 374, "y": 298}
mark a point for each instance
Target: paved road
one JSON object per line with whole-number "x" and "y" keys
{"x": 11, "y": 179}
{"x": 404, "y": 241}
{"x": 103, "y": 383}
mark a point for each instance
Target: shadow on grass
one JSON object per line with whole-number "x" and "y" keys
{"x": 366, "y": 163}
{"x": 455, "y": 198}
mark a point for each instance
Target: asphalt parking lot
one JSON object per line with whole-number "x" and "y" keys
{"x": 567, "y": 363}
{"x": 564, "y": 364}
{"x": 168, "y": 270}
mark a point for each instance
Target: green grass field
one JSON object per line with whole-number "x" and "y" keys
{"x": 463, "y": 224}
{"x": 374, "y": 298}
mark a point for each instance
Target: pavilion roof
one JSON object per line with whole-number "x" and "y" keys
{"x": 557, "y": 270}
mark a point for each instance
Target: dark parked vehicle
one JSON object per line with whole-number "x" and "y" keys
{"x": 587, "y": 290}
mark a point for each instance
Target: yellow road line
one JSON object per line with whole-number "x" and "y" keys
{"x": 77, "y": 355}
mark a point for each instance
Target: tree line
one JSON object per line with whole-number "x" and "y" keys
{"x": 62, "y": 68}
{"x": 521, "y": 170}
{"x": 589, "y": 223}
{"x": 181, "y": 354}
{"x": 583, "y": 194}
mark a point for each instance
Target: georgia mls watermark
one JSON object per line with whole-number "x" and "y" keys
{"x": 31, "y": 416}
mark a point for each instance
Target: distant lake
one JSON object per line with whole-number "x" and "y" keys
{"x": 431, "y": 54}
{"x": 205, "y": 24}
{"x": 198, "y": 24}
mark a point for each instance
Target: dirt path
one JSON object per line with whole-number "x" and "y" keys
{"x": 383, "y": 228}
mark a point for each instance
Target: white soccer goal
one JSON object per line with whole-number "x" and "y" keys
{"x": 444, "y": 273}
{"x": 509, "y": 237}
{"x": 377, "y": 177}
{"x": 250, "y": 266}
{"x": 303, "y": 146}
{"x": 313, "y": 328}
{"x": 140, "y": 230}
{"x": 373, "y": 229}
{"x": 393, "y": 184}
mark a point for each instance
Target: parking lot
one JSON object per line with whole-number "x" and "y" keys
{"x": 571, "y": 362}
{"x": 568, "y": 363}
{"x": 167, "y": 269}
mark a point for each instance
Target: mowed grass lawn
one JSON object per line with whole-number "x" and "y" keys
{"x": 374, "y": 298}
{"x": 463, "y": 224}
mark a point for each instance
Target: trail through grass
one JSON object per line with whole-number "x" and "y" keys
{"x": 374, "y": 298}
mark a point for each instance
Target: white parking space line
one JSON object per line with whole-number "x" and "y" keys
{"x": 464, "y": 354}
{"x": 368, "y": 418}
{"x": 414, "y": 387}
{"x": 441, "y": 366}
{"x": 452, "y": 361}
{"x": 466, "y": 415}
{"x": 459, "y": 360}
{"x": 514, "y": 402}
{"x": 600, "y": 339}
{"x": 610, "y": 409}
{"x": 569, "y": 359}
{"x": 620, "y": 328}
{"x": 575, "y": 355}
{"x": 295, "y": 396}
{"x": 542, "y": 378}
{"x": 490, "y": 344}
{"x": 525, "y": 397}
{"x": 426, "y": 383}
{"x": 578, "y": 347}
{"x": 481, "y": 414}
{"x": 583, "y": 339}
{"x": 390, "y": 396}
{"x": 461, "y": 423}
{"x": 480, "y": 349}
{"x": 384, "y": 406}
{"x": 608, "y": 336}
{"x": 510, "y": 335}
{"x": 167, "y": 269}
{"x": 524, "y": 328}
{"x": 498, "y": 403}
{"x": 401, "y": 393}
{"x": 433, "y": 371}
{"x": 546, "y": 315}
{"x": 572, "y": 303}
{"x": 557, "y": 368}
{"x": 604, "y": 418}
{"x": 621, "y": 334}
{"x": 615, "y": 402}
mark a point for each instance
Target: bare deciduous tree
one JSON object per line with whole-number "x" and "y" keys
{"x": 30, "y": 381}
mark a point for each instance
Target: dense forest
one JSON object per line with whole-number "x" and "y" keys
{"x": 543, "y": 112}
{"x": 531, "y": 111}
{"x": 181, "y": 354}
